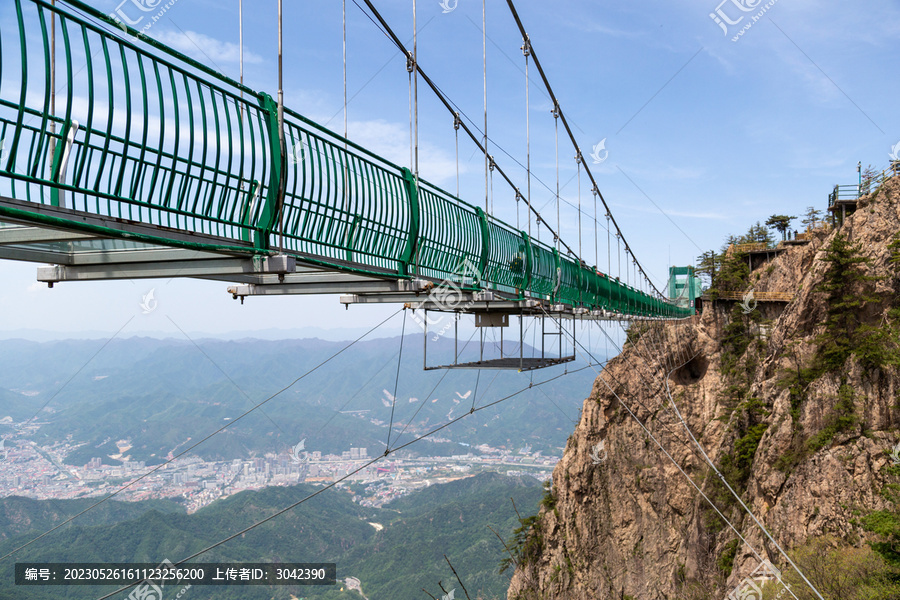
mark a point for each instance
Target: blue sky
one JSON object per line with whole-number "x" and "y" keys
{"x": 703, "y": 131}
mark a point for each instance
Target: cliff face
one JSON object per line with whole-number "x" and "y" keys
{"x": 805, "y": 450}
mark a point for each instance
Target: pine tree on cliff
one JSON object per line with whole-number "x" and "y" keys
{"x": 848, "y": 290}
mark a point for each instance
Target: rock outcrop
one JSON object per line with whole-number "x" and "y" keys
{"x": 806, "y": 456}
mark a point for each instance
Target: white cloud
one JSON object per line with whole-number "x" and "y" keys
{"x": 205, "y": 48}
{"x": 391, "y": 140}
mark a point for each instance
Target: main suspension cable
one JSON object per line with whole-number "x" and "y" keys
{"x": 447, "y": 104}
{"x": 565, "y": 122}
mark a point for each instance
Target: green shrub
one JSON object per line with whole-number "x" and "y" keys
{"x": 725, "y": 562}
{"x": 840, "y": 572}
{"x": 841, "y": 418}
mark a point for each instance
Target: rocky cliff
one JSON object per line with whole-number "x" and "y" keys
{"x": 796, "y": 403}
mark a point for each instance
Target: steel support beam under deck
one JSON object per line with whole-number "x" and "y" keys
{"x": 19, "y": 234}
{"x": 331, "y": 283}
{"x": 216, "y": 267}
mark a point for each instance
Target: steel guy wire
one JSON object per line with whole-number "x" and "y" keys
{"x": 686, "y": 476}
{"x": 349, "y": 473}
{"x": 183, "y": 452}
{"x": 678, "y": 466}
{"x": 709, "y": 462}
{"x": 228, "y": 377}
{"x": 396, "y": 382}
{"x": 80, "y": 369}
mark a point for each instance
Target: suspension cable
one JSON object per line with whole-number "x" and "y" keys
{"x": 410, "y": 65}
{"x": 608, "y": 247}
{"x": 378, "y": 19}
{"x": 518, "y": 199}
{"x": 415, "y": 78}
{"x": 526, "y": 50}
{"x": 492, "y": 183}
{"x": 345, "y": 192}
{"x": 456, "y": 134}
{"x": 596, "y": 242}
{"x": 619, "y": 253}
{"x": 484, "y": 63}
{"x": 450, "y": 107}
{"x": 565, "y": 122}
{"x": 344, "y": 23}
{"x": 578, "y": 167}
{"x": 555, "y": 113}
{"x": 241, "y": 55}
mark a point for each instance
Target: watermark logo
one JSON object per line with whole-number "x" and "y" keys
{"x": 449, "y": 6}
{"x": 895, "y": 454}
{"x": 748, "y": 304}
{"x": 149, "y": 589}
{"x": 895, "y": 151}
{"x": 123, "y": 26}
{"x": 298, "y": 153}
{"x": 448, "y": 296}
{"x": 297, "y": 453}
{"x": 148, "y": 302}
{"x": 721, "y": 18}
{"x": 730, "y": 13}
{"x": 599, "y": 453}
{"x": 449, "y": 596}
{"x": 599, "y": 152}
{"x": 750, "y": 587}
{"x": 766, "y": 571}
{"x": 129, "y": 14}
{"x": 746, "y": 590}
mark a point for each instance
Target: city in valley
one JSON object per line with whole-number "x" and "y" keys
{"x": 39, "y": 472}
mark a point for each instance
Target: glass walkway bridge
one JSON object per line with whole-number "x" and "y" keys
{"x": 148, "y": 164}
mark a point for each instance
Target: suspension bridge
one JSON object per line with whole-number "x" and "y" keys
{"x": 178, "y": 171}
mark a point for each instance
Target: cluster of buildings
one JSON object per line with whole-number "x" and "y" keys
{"x": 40, "y": 472}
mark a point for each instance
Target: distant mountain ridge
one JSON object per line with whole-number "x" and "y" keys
{"x": 158, "y": 393}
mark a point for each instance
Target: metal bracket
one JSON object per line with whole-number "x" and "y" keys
{"x": 491, "y": 320}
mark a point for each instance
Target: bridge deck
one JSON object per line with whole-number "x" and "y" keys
{"x": 507, "y": 364}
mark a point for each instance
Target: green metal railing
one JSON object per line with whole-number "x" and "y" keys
{"x": 143, "y": 133}
{"x": 868, "y": 184}
{"x": 874, "y": 180}
{"x": 843, "y": 192}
